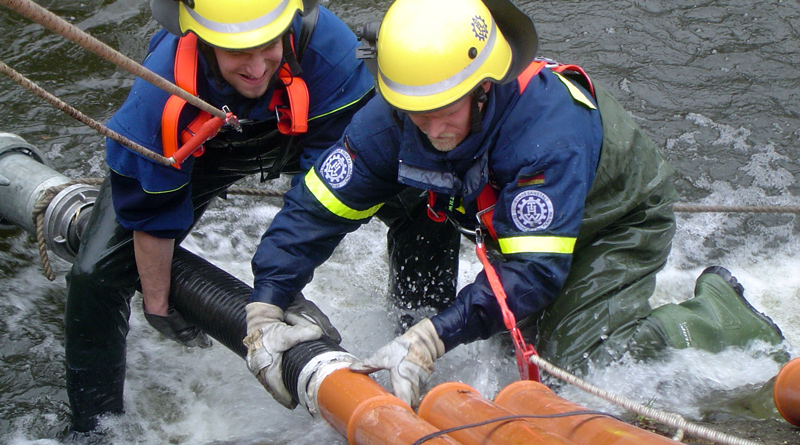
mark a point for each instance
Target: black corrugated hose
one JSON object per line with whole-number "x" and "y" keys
{"x": 214, "y": 301}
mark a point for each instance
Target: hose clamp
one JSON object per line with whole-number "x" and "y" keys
{"x": 313, "y": 374}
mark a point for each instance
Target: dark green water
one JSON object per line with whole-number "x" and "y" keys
{"x": 714, "y": 83}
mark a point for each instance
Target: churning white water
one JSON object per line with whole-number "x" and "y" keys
{"x": 714, "y": 84}
{"x": 180, "y": 395}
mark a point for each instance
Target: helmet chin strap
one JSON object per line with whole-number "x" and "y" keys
{"x": 478, "y": 99}
{"x": 188, "y": 3}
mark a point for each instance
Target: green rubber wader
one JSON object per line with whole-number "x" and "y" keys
{"x": 625, "y": 238}
{"x": 603, "y": 310}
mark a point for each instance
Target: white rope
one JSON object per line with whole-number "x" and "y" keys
{"x": 669, "y": 419}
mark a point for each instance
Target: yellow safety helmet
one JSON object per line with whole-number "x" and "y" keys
{"x": 228, "y": 24}
{"x": 432, "y": 53}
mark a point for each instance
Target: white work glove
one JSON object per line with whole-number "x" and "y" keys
{"x": 268, "y": 337}
{"x": 409, "y": 359}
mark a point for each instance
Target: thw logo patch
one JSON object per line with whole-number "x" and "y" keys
{"x": 532, "y": 211}
{"x": 337, "y": 169}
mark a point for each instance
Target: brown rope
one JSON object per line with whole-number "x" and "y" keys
{"x": 691, "y": 208}
{"x": 255, "y": 192}
{"x": 47, "y": 197}
{"x": 56, "y": 24}
{"x": 38, "y": 218}
{"x": 97, "y": 126}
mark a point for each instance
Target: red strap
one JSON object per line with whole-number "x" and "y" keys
{"x": 527, "y": 371}
{"x": 526, "y": 76}
{"x": 577, "y": 69}
{"x": 437, "y": 217}
{"x": 486, "y": 201}
{"x": 193, "y": 144}
{"x": 534, "y": 68}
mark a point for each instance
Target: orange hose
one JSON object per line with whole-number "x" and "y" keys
{"x": 365, "y": 413}
{"x": 528, "y": 397}
{"x": 454, "y": 404}
{"x": 787, "y": 392}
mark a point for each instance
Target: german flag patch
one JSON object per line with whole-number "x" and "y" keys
{"x": 536, "y": 179}
{"x": 347, "y": 148}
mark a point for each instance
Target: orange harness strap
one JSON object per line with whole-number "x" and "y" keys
{"x": 290, "y": 103}
{"x": 526, "y": 76}
{"x": 561, "y": 68}
{"x": 486, "y": 201}
{"x": 186, "y": 78}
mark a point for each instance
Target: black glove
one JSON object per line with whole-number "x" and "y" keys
{"x": 304, "y": 312}
{"x": 175, "y": 328}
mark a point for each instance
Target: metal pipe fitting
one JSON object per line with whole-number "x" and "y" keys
{"x": 24, "y": 176}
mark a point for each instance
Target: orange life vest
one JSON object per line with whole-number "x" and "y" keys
{"x": 290, "y": 101}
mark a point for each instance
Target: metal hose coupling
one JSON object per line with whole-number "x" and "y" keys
{"x": 306, "y": 366}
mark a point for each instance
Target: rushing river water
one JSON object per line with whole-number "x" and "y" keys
{"x": 714, "y": 83}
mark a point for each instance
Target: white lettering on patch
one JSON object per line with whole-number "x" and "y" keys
{"x": 337, "y": 168}
{"x": 532, "y": 211}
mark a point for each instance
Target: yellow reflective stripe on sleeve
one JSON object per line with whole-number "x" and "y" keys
{"x": 331, "y": 202}
{"x": 537, "y": 244}
{"x": 311, "y": 118}
{"x": 576, "y": 93}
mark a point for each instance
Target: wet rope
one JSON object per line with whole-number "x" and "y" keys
{"x": 38, "y": 218}
{"x": 672, "y": 420}
{"x": 56, "y": 24}
{"x": 47, "y": 197}
{"x": 690, "y": 208}
{"x": 97, "y": 126}
{"x": 50, "y": 193}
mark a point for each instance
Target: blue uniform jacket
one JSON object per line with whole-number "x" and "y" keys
{"x": 539, "y": 150}
{"x": 160, "y": 202}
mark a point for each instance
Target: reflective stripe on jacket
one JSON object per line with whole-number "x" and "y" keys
{"x": 543, "y": 132}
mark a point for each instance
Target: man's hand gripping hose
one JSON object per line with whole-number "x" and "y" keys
{"x": 270, "y": 333}
{"x": 409, "y": 359}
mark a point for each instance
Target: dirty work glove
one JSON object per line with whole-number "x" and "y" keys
{"x": 304, "y": 312}
{"x": 175, "y": 328}
{"x": 409, "y": 359}
{"x": 268, "y": 337}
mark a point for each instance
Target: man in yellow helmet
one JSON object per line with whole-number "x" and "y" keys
{"x": 577, "y": 200}
{"x": 288, "y": 72}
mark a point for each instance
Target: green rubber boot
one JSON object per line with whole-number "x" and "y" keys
{"x": 717, "y": 317}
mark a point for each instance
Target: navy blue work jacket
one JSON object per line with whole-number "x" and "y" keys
{"x": 539, "y": 149}
{"x": 335, "y": 79}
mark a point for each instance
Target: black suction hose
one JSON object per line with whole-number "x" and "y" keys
{"x": 214, "y": 301}
{"x": 295, "y": 359}
{"x": 210, "y": 298}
